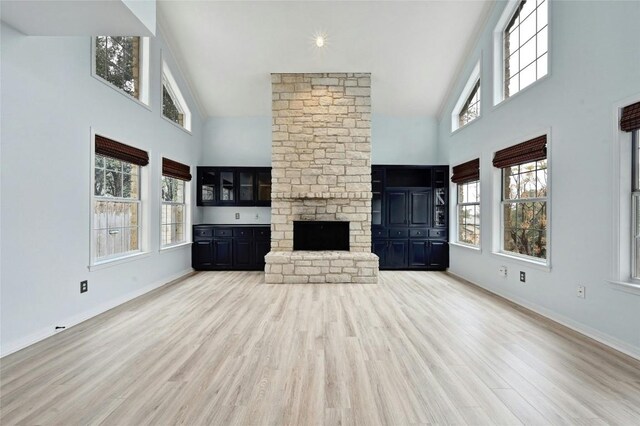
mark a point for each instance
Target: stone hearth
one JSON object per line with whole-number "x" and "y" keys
{"x": 321, "y": 171}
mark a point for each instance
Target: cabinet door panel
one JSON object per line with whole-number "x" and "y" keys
{"x": 202, "y": 255}
{"x": 246, "y": 185}
{"x": 439, "y": 254}
{"x": 420, "y": 206}
{"x": 418, "y": 253}
{"x": 264, "y": 188}
{"x": 380, "y": 248}
{"x": 396, "y": 256}
{"x": 396, "y": 207}
{"x": 227, "y": 187}
{"x": 261, "y": 250}
{"x": 242, "y": 258}
{"x": 222, "y": 253}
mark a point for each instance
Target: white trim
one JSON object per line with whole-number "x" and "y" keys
{"x": 477, "y": 249}
{"x": 621, "y": 241}
{"x": 176, "y": 124}
{"x": 145, "y": 189}
{"x": 176, "y": 95}
{"x": 69, "y": 322}
{"x": 475, "y": 77}
{"x": 144, "y": 77}
{"x": 527, "y": 260}
{"x": 174, "y": 246}
{"x": 627, "y": 287}
{"x": 605, "y": 339}
{"x": 498, "y": 52}
{"x": 497, "y": 232}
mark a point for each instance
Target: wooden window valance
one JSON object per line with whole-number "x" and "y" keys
{"x": 532, "y": 150}
{"x": 175, "y": 170}
{"x": 466, "y": 172}
{"x": 630, "y": 119}
{"x": 120, "y": 151}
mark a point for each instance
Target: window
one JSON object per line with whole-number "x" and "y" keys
{"x": 471, "y": 109}
{"x": 467, "y": 178}
{"x": 525, "y": 46}
{"x": 116, "y": 200}
{"x": 174, "y": 217}
{"x": 524, "y": 198}
{"x": 122, "y": 62}
{"x": 467, "y": 108}
{"x": 174, "y": 107}
{"x": 635, "y": 205}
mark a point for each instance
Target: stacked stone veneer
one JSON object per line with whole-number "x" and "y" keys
{"x": 321, "y": 170}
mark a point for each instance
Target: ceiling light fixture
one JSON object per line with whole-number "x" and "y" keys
{"x": 320, "y": 41}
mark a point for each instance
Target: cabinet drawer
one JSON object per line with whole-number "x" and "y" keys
{"x": 202, "y": 233}
{"x": 378, "y": 233}
{"x": 398, "y": 233}
{"x": 223, "y": 232}
{"x": 262, "y": 233}
{"x": 243, "y": 232}
{"x": 437, "y": 233}
{"x": 418, "y": 233}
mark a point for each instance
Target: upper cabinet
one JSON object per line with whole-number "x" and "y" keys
{"x": 234, "y": 186}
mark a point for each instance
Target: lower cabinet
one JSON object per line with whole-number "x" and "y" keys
{"x": 411, "y": 253}
{"x": 219, "y": 247}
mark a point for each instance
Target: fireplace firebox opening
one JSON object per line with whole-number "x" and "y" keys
{"x": 320, "y": 235}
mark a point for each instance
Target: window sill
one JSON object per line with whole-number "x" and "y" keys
{"x": 174, "y": 247}
{"x": 543, "y": 266}
{"x": 515, "y": 95}
{"x": 184, "y": 129}
{"x": 454, "y": 131}
{"x": 625, "y": 286}
{"x": 117, "y": 261}
{"x": 466, "y": 246}
{"x": 122, "y": 92}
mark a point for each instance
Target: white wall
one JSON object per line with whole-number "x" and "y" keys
{"x": 404, "y": 140}
{"x": 50, "y": 102}
{"x": 594, "y": 65}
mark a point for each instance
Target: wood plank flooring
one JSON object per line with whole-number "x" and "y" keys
{"x": 224, "y": 348}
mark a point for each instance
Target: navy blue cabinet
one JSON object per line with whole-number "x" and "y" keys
{"x": 233, "y": 186}
{"x": 231, "y": 247}
{"x": 409, "y": 216}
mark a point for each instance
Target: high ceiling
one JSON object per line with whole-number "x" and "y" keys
{"x": 412, "y": 48}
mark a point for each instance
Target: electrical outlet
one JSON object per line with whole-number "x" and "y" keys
{"x": 581, "y": 292}
{"x": 237, "y": 215}
{"x": 523, "y": 277}
{"x": 502, "y": 271}
{"x": 84, "y": 286}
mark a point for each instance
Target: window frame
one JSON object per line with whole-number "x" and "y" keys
{"x": 635, "y": 200}
{"x": 187, "y": 214}
{"x": 503, "y": 203}
{"x": 459, "y": 205}
{"x": 143, "y": 213}
{"x": 473, "y": 80}
{"x": 144, "y": 72}
{"x": 499, "y": 95}
{"x": 167, "y": 80}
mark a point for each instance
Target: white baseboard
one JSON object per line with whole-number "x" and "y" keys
{"x": 579, "y": 327}
{"x": 69, "y": 322}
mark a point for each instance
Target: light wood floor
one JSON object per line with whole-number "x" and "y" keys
{"x": 224, "y": 348}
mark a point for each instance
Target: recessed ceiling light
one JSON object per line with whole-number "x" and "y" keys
{"x": 320, "y": 41}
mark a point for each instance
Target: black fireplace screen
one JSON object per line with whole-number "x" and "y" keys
{"x": 320, "y": 235}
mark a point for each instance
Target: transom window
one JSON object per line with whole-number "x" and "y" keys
{"x": 174, "y": 106}
{"x": 471, "y": 109}
{"x": 525, "y": 46}
{"x": 469, "y": 213}
{"x": 116, "y": 221}
{"x": 118, "y": 62}
{"x": 524, "y": 205}
{"x": 170, "y": 108}
{"x": 173, "y": 211}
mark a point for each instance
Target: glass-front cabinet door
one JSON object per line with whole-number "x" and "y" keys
{"x": 264, "y": 188}
{"x": 246, "y": 186}
{"x": 208, "y": 185}
{"x": 227, "y": 187}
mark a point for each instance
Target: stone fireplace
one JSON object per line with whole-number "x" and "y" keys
{"x": 321, "y": 172}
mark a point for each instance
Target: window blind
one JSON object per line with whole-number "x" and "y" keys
{"x": 630, "y": 119}
{"x": 466, "y": 172}
{"x": 532, "y": 150}
{"x": 176, "y": 170}
{"x": 120, "y": 151}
